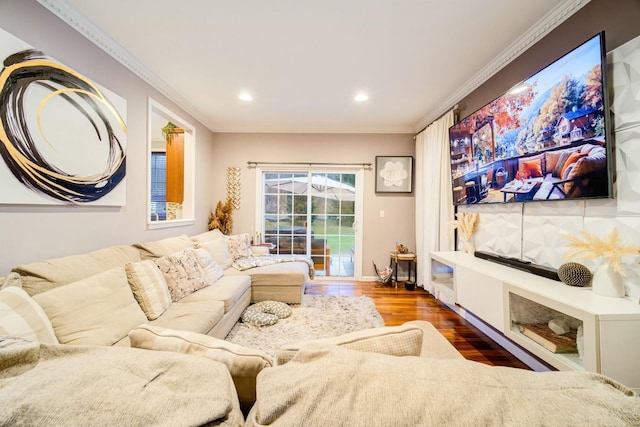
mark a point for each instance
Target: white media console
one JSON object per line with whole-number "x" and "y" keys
{"x": 487, "y": 293}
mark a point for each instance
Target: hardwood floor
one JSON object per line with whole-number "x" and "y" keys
{"x": 398, "y": 305}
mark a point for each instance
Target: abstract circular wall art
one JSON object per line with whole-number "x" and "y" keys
{"x": 62, "y": 137}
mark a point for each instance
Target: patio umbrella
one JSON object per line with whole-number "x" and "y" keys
{"x": 321, "y": 186}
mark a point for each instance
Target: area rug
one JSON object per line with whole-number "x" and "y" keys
{"x": 318, "y": 316}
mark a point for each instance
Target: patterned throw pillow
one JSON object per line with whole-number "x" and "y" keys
{"x": 239, "y": 245}
{"x": 149, "y": 287}
{"x": 211, "y": 268}
{"x": 182, "y": 272}
{"x": 21, "y": 316}
{"x": 265, "y": 313}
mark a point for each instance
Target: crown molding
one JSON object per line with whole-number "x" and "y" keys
{"x": 71, "y": 16}
{"x": 550, "y": 21}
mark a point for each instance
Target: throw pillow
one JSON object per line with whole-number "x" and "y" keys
{"x": 98, "y": 310}
{"x": 149, "y": 287}
{"x": 21, "y": 316}
{"x": 266, "y": 313}
{"x": 12, "y": 279}
{"x": 243, "y": 363}
{"x": 212, "y": 270}
{"x": 562, "y": 159}
{"x": 573, "y": 157}
{"x": 255, "y": 317}
{"x": 219, "y": 251}
{"x": 239, "y": 245}
{"x": 182, "y": 272}
{"x": 532, "y": 168}
{"x": 551, "y": 160}
{"x": 403, "y": 340}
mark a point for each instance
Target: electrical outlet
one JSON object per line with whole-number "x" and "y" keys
{"x": 381, "y": 214}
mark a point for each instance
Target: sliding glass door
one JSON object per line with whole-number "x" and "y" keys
{"x": 312, "y": 213}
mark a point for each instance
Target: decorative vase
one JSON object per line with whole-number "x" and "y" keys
{"x": 607, "y": 282}
{"x": 468, "y": 246}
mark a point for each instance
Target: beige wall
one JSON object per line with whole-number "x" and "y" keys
{"x": 29, "y": 233}
{"x": 380, "y": 234}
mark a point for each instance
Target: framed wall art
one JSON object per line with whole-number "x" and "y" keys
{"x": 62, "y": 136}
{"x": 394, "y": 174}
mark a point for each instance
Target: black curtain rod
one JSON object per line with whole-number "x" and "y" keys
{"x": 254, "y": 164}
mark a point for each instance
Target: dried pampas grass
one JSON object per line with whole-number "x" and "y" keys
{"x": 467, "y": 225}
{"x": 610, "y": 248}
{"x": 221, "y": 218}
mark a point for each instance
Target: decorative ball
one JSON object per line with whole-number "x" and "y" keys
{"x": 574, "y": 274}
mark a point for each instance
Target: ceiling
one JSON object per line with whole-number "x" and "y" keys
{"x": 304, "y": 61}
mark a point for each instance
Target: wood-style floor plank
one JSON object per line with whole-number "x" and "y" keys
{"x": 398, "y": 305}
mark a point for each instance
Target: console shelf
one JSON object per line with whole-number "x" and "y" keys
{"x": 507, "y": 298}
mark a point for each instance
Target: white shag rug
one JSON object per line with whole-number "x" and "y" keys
{"x": 318, "y": 316}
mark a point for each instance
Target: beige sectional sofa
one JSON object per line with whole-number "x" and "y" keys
{"x": 98, "y": 297}
{"x": 364, "y": 378}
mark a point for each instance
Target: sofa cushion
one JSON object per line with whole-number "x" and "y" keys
{"x": 41, "y": 276}
{"x": 229, "y": 290}
{"x": 207, "y": 236}
{"x": 21, "y": 316}
{"x": 219, "y": 251}
{"x": 160, "y": 248}
{"x": 244, "y": 363}
{"x": 239, "y": 245}
{"x": 403, "y": 340}
{"x": 212, "y": 269}
{"x": 98, "y": 310}
{"x": 182, "y": 273}
{"x": 198, "y": 316}
{"x": 336, "y": 386}
{"x": 149, "y": 287}
{"x": 62, "y": 385}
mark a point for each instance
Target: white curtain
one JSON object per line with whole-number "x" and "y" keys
{"x": 434, "y": 201}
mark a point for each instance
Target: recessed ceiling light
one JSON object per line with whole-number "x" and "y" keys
{"x": 245, "y": 96}
{"x": 361, "y": 97}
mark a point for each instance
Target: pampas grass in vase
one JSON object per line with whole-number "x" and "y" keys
{"x": 467, "y": 225}
{"x": 221, "y": 218}
{"x": 607, "y": 277}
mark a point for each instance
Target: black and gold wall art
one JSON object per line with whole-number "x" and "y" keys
{"x": 62, "y": 136}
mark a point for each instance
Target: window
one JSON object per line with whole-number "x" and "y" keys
{"x": 158, "y": 186}
{"x": 314, "y": 214}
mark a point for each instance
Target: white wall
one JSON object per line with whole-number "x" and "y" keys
{"x": 30, "y": 233}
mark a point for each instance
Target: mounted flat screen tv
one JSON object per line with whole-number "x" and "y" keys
{"x": 545, "y": 139}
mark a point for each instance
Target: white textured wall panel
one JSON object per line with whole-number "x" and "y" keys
{"x": 624, "y": 80}
{"x": 500, "y": 233}
{"x": 542, "y": 238}
{"x": 628, "y": 170}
